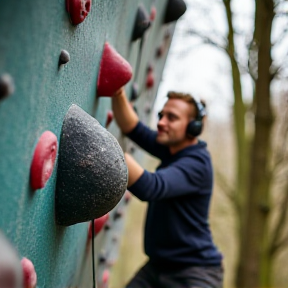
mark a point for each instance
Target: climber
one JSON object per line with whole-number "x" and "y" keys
{"x": 177, "y": 237}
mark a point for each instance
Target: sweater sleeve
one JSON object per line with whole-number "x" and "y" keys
{"x": 184, "y": 177}
{"x": 146, "y": 139}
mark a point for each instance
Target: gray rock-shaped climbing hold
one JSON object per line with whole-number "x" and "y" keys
{"x": 10, "y": 266}
{"x": 142, "y": 23}
{"x": 92, "y": 174}
{"x": 174, "y": 10}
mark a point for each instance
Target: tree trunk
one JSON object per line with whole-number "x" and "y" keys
{"x": 253, "y": 266}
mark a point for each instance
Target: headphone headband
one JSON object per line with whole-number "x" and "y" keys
{"x": 201, "y": 110}
{"x": 195, "y": 126}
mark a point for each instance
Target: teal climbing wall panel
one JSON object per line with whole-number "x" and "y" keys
{"x": 32, "y": 35}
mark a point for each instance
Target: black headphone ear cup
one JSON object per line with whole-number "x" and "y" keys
{"x": 194, "y": 128}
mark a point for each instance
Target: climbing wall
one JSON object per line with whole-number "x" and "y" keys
{"x": 60, "y": 62}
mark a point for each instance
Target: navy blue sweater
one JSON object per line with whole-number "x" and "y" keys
{"x": 177, "y": 229}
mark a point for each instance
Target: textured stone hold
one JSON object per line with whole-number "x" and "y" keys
{"x": 174, "y": 10}
{"x": 10, "y": 266}
{"x": 92, "y": 173}
{"x": 141, "y": 24}
{"x": 78, "y": 10}
{"x": 114, "y": 72}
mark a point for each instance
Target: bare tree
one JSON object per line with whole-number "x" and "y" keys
{"x": 261, "y": 225}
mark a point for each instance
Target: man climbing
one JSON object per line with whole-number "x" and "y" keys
{"x": 177, "y": 239}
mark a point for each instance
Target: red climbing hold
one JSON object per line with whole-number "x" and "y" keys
{"x": 114, "y": 72}
{"x": 159, "y": 51}
{"x": 109, "y": 119}
{"x": 105, "y": 277}
{"x": 98, "y": 225}
{"x": 78, "y": 10}
{"x": 43, "y": 160}
{"x": 29, "y": 273}
{"x": 150, "y": 79}
{"x": 153, "y": 13}
{"x": 127, "y": 197}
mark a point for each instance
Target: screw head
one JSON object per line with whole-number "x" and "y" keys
{"x": 6, "y": 86}
{"x": 64, "y": 57}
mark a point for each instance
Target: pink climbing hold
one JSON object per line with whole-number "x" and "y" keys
{"x": 29, "y": 273}
{"x": 150, "y": 79}
{"x": 153, "y": 13}
{"x": 114, "y": 72}
{"x": 78, "y": 10}
{"x": 43, "y": 160}
{"x": 98, "y": 225}
{"x": 127, "y": 196}
{"x": 105, "y": 277}
{"x": 109, "y": 119}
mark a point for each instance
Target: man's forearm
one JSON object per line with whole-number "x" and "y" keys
{"x": 134, "y": 170}
{"x": 124, "y": 114}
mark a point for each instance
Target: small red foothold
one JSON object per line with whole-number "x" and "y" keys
{"x": 153, "y": 13}
{"x": 127, "y": 197}
{"x": 98, "y": 225}
{"x": 150, "y": 80}
{"x": 29, "y": 273}
{"x": 78, "y": 10}
{"x": 114, "y": 72}
{"x": 159, "y": 51}
{"x": 109, "y": 118}
{"x": 105, "y": 277}
{"x": 43, "y": 160}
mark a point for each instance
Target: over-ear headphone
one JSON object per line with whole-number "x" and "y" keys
{"x": 195, "y": 126}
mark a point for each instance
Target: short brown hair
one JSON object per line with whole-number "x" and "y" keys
{"x": 188, "y": 98}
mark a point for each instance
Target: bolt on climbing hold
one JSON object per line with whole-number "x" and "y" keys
{"x": 114, "y": 72}
{"x": 6, "y": 86}
{"x": 43, "y": 160}
{"x": 64, "y": 57}
{"x": 78, "y": 10}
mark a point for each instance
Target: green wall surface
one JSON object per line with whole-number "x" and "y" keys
{"x": 32, "y": 35}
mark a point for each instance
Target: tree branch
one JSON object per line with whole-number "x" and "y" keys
{"x": 206, "y": 39}
{"x": 225, "y": 186}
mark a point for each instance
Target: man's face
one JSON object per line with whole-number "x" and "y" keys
{"x": 173, "y": 122}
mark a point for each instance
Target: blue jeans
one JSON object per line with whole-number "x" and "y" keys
{"x": 149, "y": 276}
